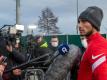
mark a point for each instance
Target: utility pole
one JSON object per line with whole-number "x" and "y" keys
{"x": 17, "y": 11}
{"x": 77, "y": 17}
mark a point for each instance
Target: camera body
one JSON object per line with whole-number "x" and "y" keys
{"x": 8, "y": 36}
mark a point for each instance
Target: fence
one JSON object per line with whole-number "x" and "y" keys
{"x": 69, "y": 39}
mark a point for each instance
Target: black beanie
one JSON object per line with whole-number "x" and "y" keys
{"x": 94, "y": 15}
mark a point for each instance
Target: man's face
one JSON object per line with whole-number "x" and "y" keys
{"x": 54, "y": 42}
{"x": 85, "y": 28}
{"x": 39, "y": 40}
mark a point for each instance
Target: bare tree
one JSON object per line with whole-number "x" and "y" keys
{"x": 47, "y": 22}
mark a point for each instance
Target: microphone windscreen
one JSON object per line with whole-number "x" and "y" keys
{"x": 62, "y": 65}
{"x": 63, "y": 49}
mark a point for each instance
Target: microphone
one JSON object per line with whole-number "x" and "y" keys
{"x": 26, "y": 64}
{"x": 63, "y": 49}
{"x": 61, "y": 66}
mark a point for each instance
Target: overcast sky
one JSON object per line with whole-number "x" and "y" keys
{"x": 65, "y": 10}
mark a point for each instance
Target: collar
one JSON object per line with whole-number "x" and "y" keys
{"x": 93, "y": 37}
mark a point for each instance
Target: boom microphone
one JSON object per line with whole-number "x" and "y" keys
{"x": 26, "y": 64}
{"x": 61, "y": 66}
{"x": 63, "y": 49}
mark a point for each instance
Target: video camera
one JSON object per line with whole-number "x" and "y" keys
{"x": 9, "y": 34}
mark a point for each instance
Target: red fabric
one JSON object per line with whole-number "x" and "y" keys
{"x": 97, "y": 49}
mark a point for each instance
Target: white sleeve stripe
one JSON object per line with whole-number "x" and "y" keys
{"x": 98, "y": 62}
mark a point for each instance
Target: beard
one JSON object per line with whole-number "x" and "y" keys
{"x": 88, "y": 33}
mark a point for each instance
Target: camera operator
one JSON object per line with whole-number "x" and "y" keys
{"x": 13, "y": 58}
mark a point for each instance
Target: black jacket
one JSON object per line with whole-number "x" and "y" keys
{"x": 1, "y": 78}
{"x": 39, "y": 51}
{"x": 15, "y": 58}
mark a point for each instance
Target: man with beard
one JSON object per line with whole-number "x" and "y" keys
{"x": 93, "y": 65}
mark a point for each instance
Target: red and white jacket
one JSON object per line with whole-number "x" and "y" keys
{"x": 93, "y": 65}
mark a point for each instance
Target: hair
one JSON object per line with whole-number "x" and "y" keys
{"x": 54, "y": 36}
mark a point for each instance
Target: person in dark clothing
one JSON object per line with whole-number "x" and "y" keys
{"x": 1, "y": 78}
{"x": 54, "y": 43}
{"x": 41, "y": 48}
{"x": 17, "y": 60}
{"x": 53, "y": 46}
{"x": 13, "y": 58}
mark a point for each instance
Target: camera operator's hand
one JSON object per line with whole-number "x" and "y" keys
{"x": 17, "y": 72}
{"x": 1, "y": 58}
{"x": 9, "y": 48}
{"x": 2, "y": 65}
